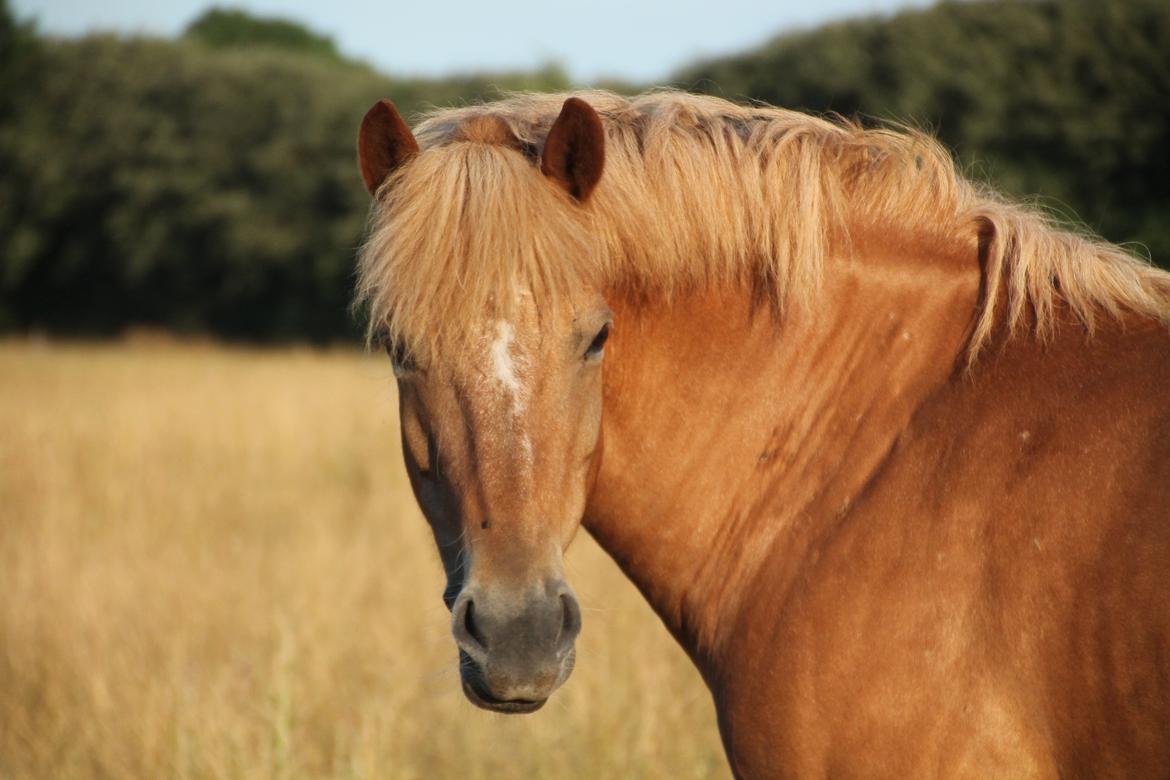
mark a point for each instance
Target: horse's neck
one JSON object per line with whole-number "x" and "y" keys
{"x": 733, "y": 438}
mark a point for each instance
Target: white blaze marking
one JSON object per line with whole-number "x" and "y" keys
{"x": 503, "y": 366}
{"x": 504, "y": 371}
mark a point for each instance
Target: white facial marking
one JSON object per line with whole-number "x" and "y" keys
{"x": 504, "y": 366}
{"x": 505, "y": 371}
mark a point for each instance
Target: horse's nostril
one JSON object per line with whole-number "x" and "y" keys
{"x": 467, "y": 635}
{"x": 570, "y": 621}
{"x": 469, "y": 624}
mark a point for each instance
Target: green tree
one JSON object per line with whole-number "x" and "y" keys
{"x": 198, "y": 189}
{"x": 227, "y": 28}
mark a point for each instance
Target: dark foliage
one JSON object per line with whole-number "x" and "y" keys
{"x": 209, "y": 184}
{"x": 162, "y": 183}
{"x": 225, "y": 28}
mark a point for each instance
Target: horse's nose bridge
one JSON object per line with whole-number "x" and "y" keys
{"x": 516, "y": 475}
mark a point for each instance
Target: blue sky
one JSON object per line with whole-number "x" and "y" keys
{"x": 642, "y": 41}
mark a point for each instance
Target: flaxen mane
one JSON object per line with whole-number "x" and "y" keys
{"x": 698, "y": 189}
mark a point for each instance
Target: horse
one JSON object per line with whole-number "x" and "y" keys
{"x": 888, "y": 454}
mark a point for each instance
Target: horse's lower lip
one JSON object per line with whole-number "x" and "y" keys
{"x": 485, "y": 700}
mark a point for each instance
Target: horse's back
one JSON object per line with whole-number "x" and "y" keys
{"x": 997, "y": 602}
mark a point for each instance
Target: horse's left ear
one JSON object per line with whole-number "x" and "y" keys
{"x": 384, "y": 143}
{"x": 574, "y": 154}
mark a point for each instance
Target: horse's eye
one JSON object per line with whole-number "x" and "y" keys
{"x": 598, "y": 343}
{"x": 400, "y": 357}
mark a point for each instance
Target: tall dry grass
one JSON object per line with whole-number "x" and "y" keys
{"x": 211, "y": 567}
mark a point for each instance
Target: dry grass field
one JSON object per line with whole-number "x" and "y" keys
{"x": 211, "y": 567}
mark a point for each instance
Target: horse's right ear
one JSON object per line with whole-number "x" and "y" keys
{"x": 384, "y": 143}
{"x": 574, "y": 153}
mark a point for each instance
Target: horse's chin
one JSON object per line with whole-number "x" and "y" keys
{"x": 477, "y": 692}
{"x": 485, "y": 701}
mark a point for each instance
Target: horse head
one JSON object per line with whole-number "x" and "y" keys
{"x": 501, "y": 425}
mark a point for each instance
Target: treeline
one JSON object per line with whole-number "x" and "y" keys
{"x": 208, "y": 184}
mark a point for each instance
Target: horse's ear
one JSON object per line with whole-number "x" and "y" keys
{"x": 384, "y": 143}
{"x": 574, "y": 154}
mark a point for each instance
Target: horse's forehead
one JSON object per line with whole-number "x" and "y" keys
{"x": 505, "y": 361}
{"x": 506, "y": 337}
{"x": 495, "y": 366}
{"x": 503, "y": 350}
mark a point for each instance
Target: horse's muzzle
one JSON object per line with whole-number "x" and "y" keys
{"x": 515, "y": 647}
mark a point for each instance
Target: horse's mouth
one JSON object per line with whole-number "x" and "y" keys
{"x": 479, "y": 693}
{"x": 482, "y": 698}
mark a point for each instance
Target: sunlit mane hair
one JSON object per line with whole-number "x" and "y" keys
{"x": 698, "y": 190}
